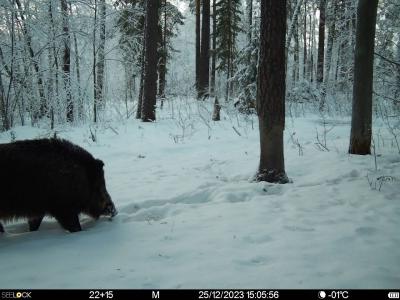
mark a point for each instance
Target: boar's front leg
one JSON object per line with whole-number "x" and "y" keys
{"x": 1, "y": 228}
{"x": 34, "y": 223}
{"x": 69, "y": 221}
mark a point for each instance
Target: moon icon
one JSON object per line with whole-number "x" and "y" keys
{"x": 321, "y": 295}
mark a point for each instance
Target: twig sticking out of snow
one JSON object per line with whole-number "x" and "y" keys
{"x": 238, "y": 133}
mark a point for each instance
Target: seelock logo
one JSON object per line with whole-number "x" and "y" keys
{"x": 16, "y": 295}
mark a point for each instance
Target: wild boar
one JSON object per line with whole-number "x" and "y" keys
{"x": 51, "y": 177}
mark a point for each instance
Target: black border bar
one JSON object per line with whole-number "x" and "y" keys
{"x": 197, "y": 294}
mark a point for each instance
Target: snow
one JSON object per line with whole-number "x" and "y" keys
{"x": 190, "y": 215}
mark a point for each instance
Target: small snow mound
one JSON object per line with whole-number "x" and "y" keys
{"x": 354, "y": 174}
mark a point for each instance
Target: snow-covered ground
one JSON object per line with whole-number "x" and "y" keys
{"x": 191, "y": 217}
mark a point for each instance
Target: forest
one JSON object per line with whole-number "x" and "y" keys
{"x": 246, "y": 143}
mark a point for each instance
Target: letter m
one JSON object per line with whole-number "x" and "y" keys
{"x": 155, "y": 295}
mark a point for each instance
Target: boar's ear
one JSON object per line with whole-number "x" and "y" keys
{"x": 100, "y": 163}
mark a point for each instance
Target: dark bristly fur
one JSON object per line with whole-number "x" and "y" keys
{"x": 51, "y": 177}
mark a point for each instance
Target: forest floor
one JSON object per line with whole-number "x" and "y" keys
{"x": 190, "y": 215}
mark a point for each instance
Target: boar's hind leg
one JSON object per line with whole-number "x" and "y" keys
{"x": 34, "y": 223}
{"x": 69, "y": 222}
{"x": 1, "y": 228}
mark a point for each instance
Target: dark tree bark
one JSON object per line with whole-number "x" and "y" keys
{"x": 150, "y": 65}
{"x": 67, "y": 61}
{"x": 271, "y": 91}
{"x": 197, "y": 44}
{"x": 321, "y": 42}
{"x": 361, "y": 121}
{"x": 213, "y": 53}
{"x": 204, "y": 80}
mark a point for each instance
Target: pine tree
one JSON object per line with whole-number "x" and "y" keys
{"x": 361, "y": 120}
{"x": 321, "y": 42}
{"x": 204, "y": 80}
{"x": 228, "y": 27}
{"x": 150, "y": 63}
{"x": 213, "y": 51}
{"x": 131, "y": 26}
{"x": 246, "y": 64}
{"x": 271, "y": 91}
{"x": 132, "y": 41}
{"x": 170, "y": 18}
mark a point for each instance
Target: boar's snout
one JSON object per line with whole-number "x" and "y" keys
{"x": 110, "y": 210}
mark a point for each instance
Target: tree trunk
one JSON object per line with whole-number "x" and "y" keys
{"x": 361, "y": 121}
{"x": 331, "y": 39}
{"x": 197, "y": 45}
{"x": 312, "y": 31}
{"x": 229, "y": 58}
{"x": 249, "y": 8}
{"x": 271, "y": 91}
{"x": 247, "y": 90}
{"x": 296, "y": 55}
{"x": 163, "y": 58}
{"x": 150, "y": 65}
{"x": 51, "y": 72}
{"x": 343, "y": 64}
{"x": 94, "y": 65}
{"x": 351, "y": 27}
{"x": 55, "y": 93}
{"x": 321, "y": 42}
{"x": 100, "y": 56}
{"x": 205, "y": 51}
{"x": 4, "y": 125}
{"x": 293, "y": 22}
{"x": 214, "y": 54}
{"x": 217, "y": 108}
{"x": 305, "y": 41}
{"x": 78, "y": 71}
{"x": 140, "y": 98}
{"x": 67, "y": 61}
{"x": 397, "y": 94}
